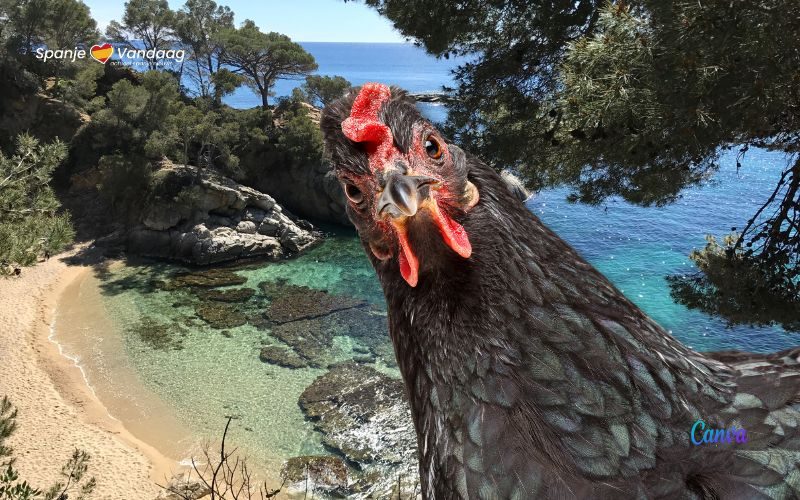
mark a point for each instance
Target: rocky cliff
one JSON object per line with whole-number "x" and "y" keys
{"x": 202, "y": 217}
{"x": 309, "y": 190}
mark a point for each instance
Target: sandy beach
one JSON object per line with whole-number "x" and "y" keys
{"x": 58, "y": 411}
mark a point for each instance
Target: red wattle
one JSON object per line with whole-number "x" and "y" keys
{"x": 453, "y": 233}
{"x": 409, "y": 265}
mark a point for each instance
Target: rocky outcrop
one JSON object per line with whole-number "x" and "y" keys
{"x": 205, "y": 218}
{"x": 209, "y": 278}
{"x": 311, "y": 191}
{"x": 232, "y": 295}
{"x": 363, "y": 414}
{"x": 43, "y": 117}
{"x": 303, "y": 303}
{"x": 282, "y": 356}
{"x": 432, "y": 97}
{"x": 221, "y": 315}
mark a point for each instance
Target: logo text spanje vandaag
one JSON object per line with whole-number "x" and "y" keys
{"x": 102, "y": 53}
{"x": 703, "y": 433}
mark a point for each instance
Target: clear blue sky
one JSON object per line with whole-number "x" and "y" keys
{"x": 302, "y": 20}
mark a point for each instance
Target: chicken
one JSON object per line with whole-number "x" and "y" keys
{"x": 529, "y": 375}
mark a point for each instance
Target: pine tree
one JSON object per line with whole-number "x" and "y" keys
{"x": 30, "y": 223}
{"x": 637, "y": 100}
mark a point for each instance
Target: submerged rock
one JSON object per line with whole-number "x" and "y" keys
{"x": 202, "y": 217}
{"x": 209, "y": 278}
{"x": 309, "y": 339}
{"x": 300, "y": 302}
{"x": 232, "y": 295}
{"x": 363, "y": 414}
{"x": 221, "y": 315}
{"x": 158, "y": 335}
{"x": 369, "y": 327}
{"x": 307, "y": 321}
{"x": 282, "y": 356}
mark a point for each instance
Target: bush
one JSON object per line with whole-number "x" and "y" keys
{"x": 30, "y": 225}
{"x": 81, "y": 89}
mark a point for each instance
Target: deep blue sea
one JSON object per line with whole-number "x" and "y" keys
{"x": 155, "y": 388}
{"x": 404, "y": 65}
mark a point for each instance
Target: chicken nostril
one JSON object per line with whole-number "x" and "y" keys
{"x": 424, "y": 180}
{"x": 400, "y": 197}
{"x": 353, "y": 193}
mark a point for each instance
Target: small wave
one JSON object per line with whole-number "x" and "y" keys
{"x": 76, "y": 360}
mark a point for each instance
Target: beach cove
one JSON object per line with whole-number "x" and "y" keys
{"x": 58, "y": 411}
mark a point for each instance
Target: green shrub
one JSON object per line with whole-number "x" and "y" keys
{"x": 30, "y": 224}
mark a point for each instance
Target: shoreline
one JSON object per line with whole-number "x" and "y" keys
{"x": 58, "y": 409}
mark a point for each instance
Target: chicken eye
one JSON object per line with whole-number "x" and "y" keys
{"x": 432, "y": 148}
{"x": 353, "y": 193}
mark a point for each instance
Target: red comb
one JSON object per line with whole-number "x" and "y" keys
{"x": 363, "y": 125}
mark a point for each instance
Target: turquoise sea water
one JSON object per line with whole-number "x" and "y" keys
{"x": 217, "y": 372}
{"x": 635, "y": 247}
{"x": 638, "y": 247}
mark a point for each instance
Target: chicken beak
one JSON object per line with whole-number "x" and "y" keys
{"x": 402, "y": 197}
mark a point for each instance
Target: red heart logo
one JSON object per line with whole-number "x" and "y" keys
{"x": 102, "y": 53}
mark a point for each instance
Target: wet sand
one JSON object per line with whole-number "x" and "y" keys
{"x": 86, "y": 333}
{"x": 58, "y": 411}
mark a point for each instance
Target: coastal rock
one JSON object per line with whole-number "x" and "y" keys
{"x": 363, "y": 414}
{"x": 202, "y": 217}
{"x": 307, "y": 321}
{"x": 369, "y": 327}
{"x": 324, "y": 473}
{"x": 255, "y": 215}
{"x": 269, "y": 227}
{"x": 158, "y": 335}
{"x": 309, "y": 339}
{"x": 431, "y": 97}
{"x": 246, "y": 227}
{"x": 295, "y": 238}
{"x": 311, "y": 191}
